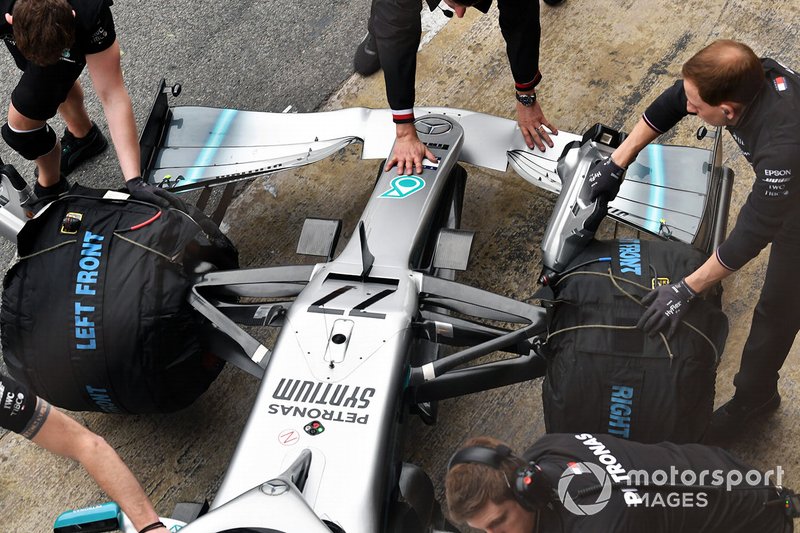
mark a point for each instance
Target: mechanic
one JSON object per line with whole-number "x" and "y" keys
{"x": 758, "y": 101}
{"x": 586, "y": 483}
{"x": 34, "y": 419}
{"x": 51, "y": 42}
{"x": 394, "y": 35}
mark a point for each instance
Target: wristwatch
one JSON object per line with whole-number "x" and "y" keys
{"x": 526, "y": 99}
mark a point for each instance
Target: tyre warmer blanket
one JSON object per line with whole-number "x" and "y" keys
{"x": 95, "y": 315}
{"x": 606, "y": 376}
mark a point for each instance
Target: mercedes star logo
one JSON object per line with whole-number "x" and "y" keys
{"x": 432, "y": 126}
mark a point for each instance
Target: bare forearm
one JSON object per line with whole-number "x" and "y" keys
{"x": 406, "y": 131}
{"x": 64, "y": 436}
{"x": 111, "y": 474}
{"x": 122, "y": 125}
{"x": 639, "y": 137}
{"x": 106, "y": 73}
{"x": 708, "y": 274}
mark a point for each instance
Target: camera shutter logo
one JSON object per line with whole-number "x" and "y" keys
{"x": 587, "y": 509}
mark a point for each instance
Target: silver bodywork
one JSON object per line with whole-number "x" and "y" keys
{"x": 342, "y": 356}
{"x": 352, "y": 387}
{"x": 205, "y": 144}
{"x": 208, "y": 145}
{"x": 275, "y": 141}
{"x": 566, "y": 233}
{"x": 13, "y": 211}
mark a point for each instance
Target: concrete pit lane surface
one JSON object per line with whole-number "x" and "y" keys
{"x": 602, "y": 61}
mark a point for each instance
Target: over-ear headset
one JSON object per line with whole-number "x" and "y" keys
{"x": 528, "y": 486}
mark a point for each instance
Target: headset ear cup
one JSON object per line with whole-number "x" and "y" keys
{"x": 521, "y": 493}
{"x": 530, "y": 488}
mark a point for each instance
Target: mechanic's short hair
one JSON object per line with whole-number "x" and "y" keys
{"x": 725, "y": 71}
{"x": 43, "y": 29}
{"x": 469, "y": 487}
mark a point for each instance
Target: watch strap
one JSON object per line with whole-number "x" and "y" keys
{"x": 526, "y": 99}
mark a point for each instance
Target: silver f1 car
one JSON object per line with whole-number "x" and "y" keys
{"x": 362, "y": 332}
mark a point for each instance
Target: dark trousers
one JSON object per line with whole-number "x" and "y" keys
{"x": 776, "y": 319}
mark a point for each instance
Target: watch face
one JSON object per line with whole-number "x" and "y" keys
{"x": 526, "y": 99}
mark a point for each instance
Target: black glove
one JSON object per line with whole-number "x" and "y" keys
{"x": 604, "y": 178}
{"x": 139, "y": 190}
{"x": 666, "y": 305}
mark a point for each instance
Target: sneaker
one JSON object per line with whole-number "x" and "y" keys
{"x": 47, "y": 194}
{"x": 366, "y": 60}
{"x": 735, "y": 416}
{"x": 75, "y": 151}
{"x": 553, "y": 2}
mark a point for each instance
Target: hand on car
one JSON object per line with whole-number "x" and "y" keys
{"x": 667, "y": 305}
{"x": 408, "y": 152}
{"x": 532, "y": 123}
{"x": 142, "y": 191}
{"x": 604, "y": 179}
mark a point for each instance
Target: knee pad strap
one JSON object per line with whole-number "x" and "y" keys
{"x": 30, "y": 144}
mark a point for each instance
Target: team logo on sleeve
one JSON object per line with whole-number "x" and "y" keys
{"x": 780, "y": 83}
{"x": 99, "y": 36}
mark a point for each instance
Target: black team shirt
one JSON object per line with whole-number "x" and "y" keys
{"x": 768, "y": 134}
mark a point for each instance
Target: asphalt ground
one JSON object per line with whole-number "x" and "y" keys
{"x": 603, "y": 60}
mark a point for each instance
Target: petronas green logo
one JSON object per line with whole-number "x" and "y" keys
{"x": 403, "y": 187}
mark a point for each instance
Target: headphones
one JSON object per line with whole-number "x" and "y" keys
{"x": 529, "y": 486}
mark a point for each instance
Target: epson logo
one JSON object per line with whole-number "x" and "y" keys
{"x": 780, "y": 172}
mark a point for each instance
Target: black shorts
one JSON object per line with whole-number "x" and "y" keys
{"x": 42, "y": 89}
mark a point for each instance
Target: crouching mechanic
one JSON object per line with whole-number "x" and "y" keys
{"x": 51, "y": 42}
{"x": 758, "y": 101}
{"x": 34, "y": 419}
{"x": 586, "y": 483}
